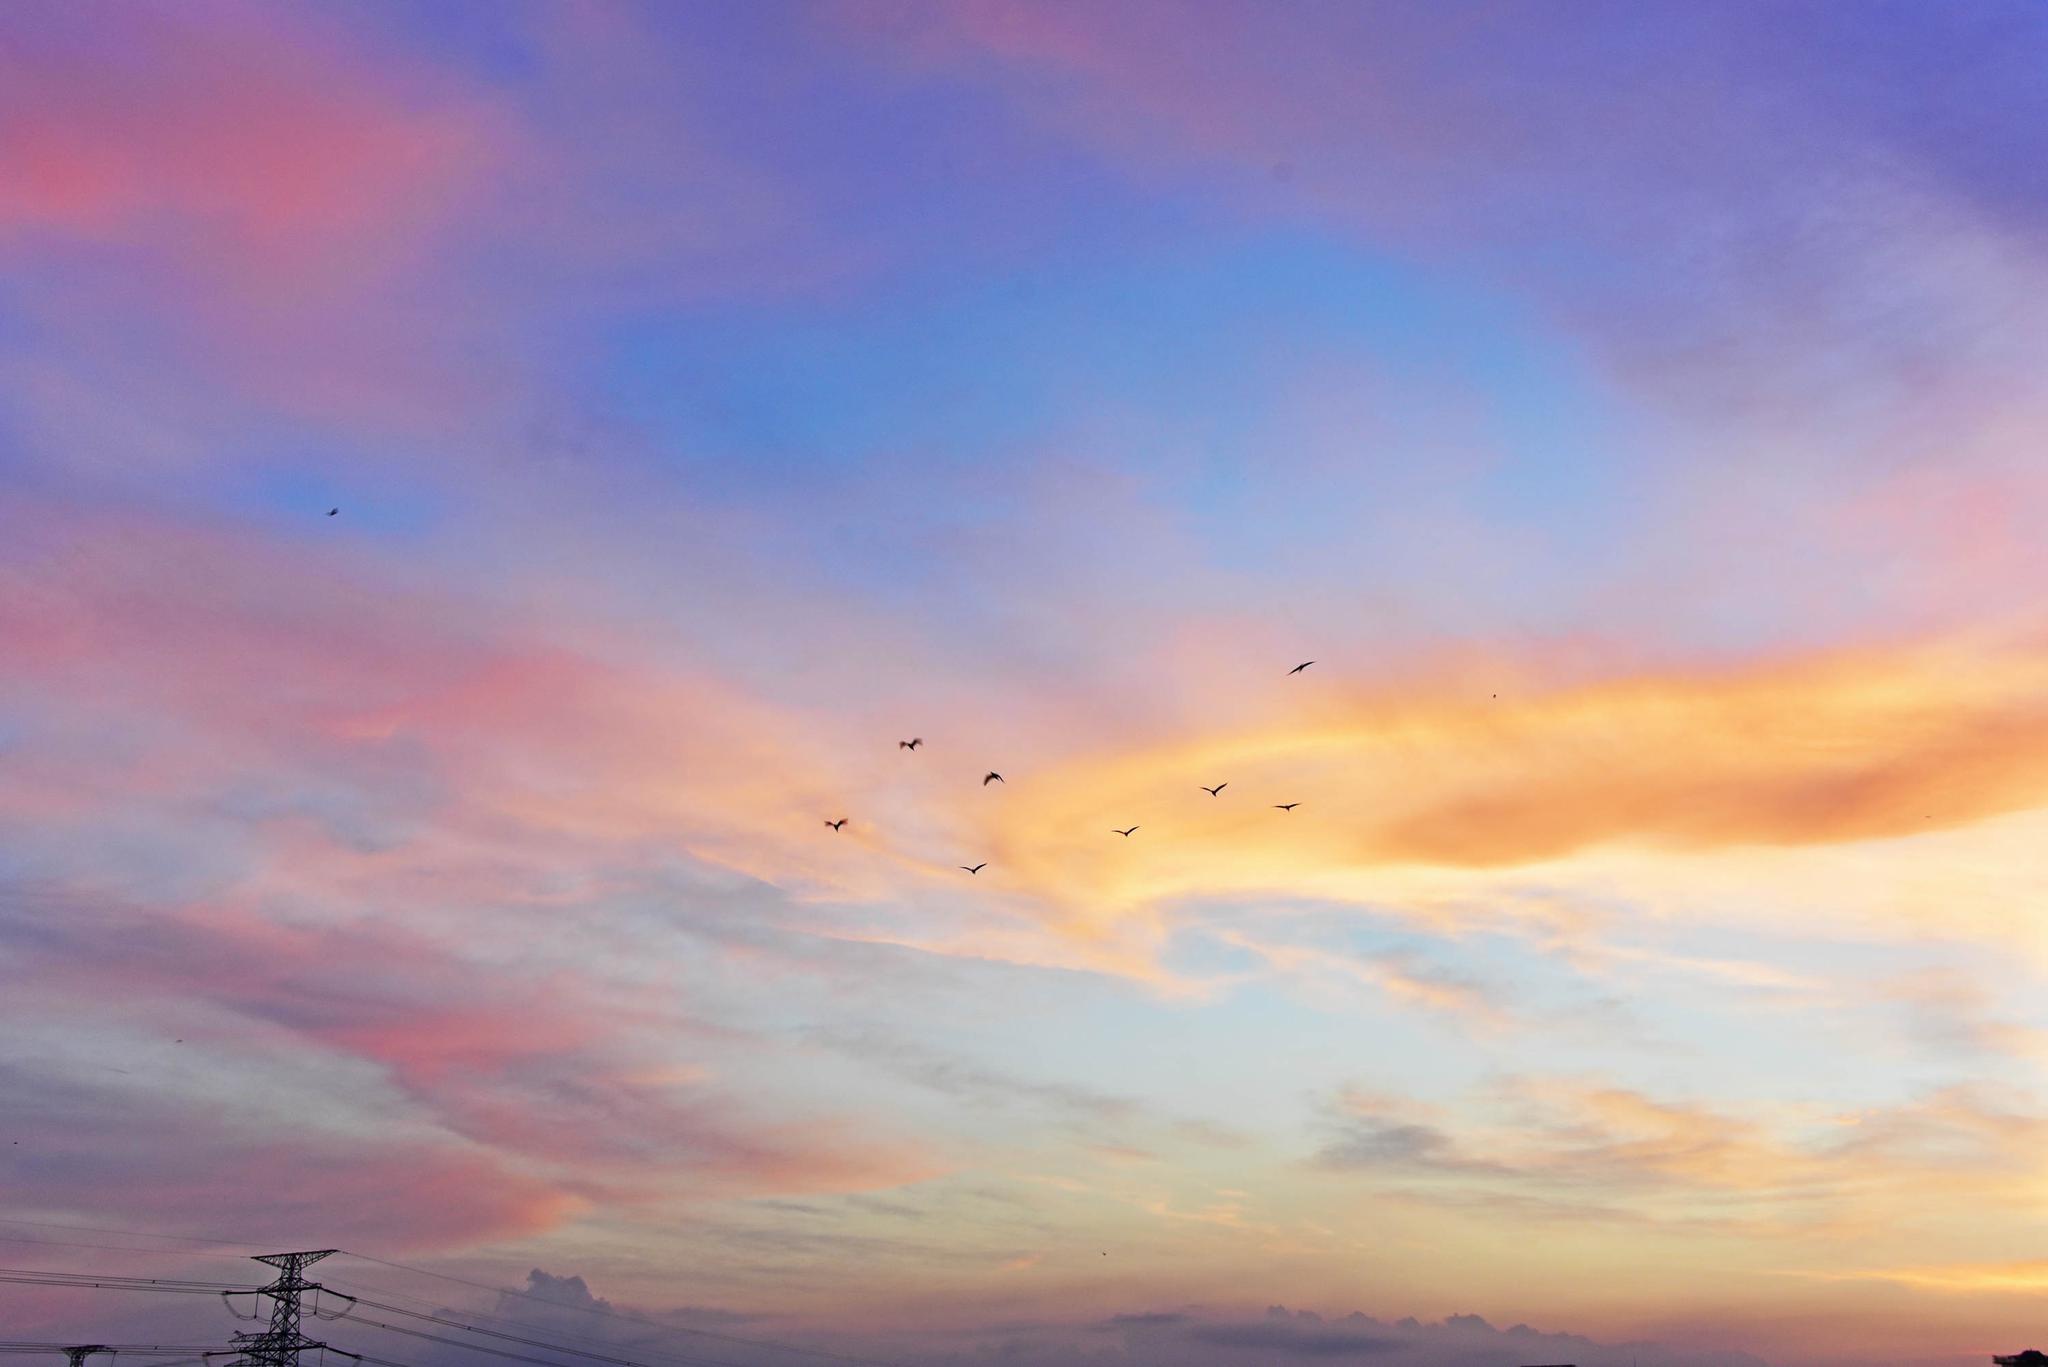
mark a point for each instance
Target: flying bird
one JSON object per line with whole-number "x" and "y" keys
{"x": 332, "y": 511}
{"x": 840, "y": 824}
{"x": 1285, "y": 806}
{"x": 991, "y": 777}
{"x": 1126, "y": 833}
{"x": 1303, "y": 665}
{"x": 975, "y": 868}
{"x": 1212, "y": 791}
{"x": 910, "y": 744}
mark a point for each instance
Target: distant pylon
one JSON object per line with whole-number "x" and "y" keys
{"x": 83, "y": 1351}
{"x": 281, "y": 1344}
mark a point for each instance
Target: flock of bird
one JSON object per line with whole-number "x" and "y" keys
{"x": 1125, "y": 831}
{"x": 993, "y": 777}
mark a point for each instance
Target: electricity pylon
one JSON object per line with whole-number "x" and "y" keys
{"x": 80, "y": 1353}
{"x": 280, "y": 1344}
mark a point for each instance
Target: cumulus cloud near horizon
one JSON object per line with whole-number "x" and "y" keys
{"x": 1185, "y": 1336}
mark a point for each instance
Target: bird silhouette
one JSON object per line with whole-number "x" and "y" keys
{"x": 840, "y": 824}
{"x": 332, "y": 511}
{"x": 911, "y": 744}
{"x": 1212, "y": 791}
{"x": 1285, "y": 806}
{"x": 1303, "y": 665}
{"x": 975, "y": 868}
{"x": 1125, "y": 833}
{"x": 991, "y": 777}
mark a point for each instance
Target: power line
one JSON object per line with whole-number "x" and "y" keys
{"x": 167, "y": 1350}
{"x": 113, "y": 1277}
{"x": 616, "y": 1315}
{"x": 108, "y": 1282}
{"x": 114, "y": 1248}
{"x": 492, "y": 1333}
{"x": 222, "y": 1242}
{"x": 640, "y": 1345}
{"x": 512, "y": 1338}
{"x": 132, "y": 1233}
{"x": 365, "y": 1357}
{"x": 34, "y": 1277}
{"x": 453, "y": 1343}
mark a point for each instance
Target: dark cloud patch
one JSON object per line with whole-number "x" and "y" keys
{"x": 1150, "y": 1320}
{"x": 1372, "y": 1143}
{"x": 1209, "y": 1338}
{"x": 1108, "y": 1121}
{"x": 571, "y": 1291}
{"x": 957, "y": 1077}
{"x": 97, "y": 1142}
{"x": 877, "y": 1205}
{"x": 791, "y": 1207}
{"x": 710, "y": 1316}
{"x": 1285, "y": 1338}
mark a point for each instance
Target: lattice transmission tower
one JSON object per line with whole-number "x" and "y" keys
{"x": 281, "y": 1344}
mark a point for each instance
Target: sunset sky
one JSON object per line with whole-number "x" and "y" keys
{"x": 1636, "y": 411}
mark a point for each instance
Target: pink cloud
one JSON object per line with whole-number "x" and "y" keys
{"x": 489, "y": 753}
{"x": 300, "y": 213}
{"x": 266, "y": 143}
{"x": 543, "y": 1072}
{"x": 171, "y": 664}
{"x": 168, "y": 1163}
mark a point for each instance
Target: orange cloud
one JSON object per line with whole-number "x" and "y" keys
{"x": 515, "y": 745}
{"x": 1848, "y": 746}
{"x": 1902, "y": 1176}
{"x": 2021, "y": 1278}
